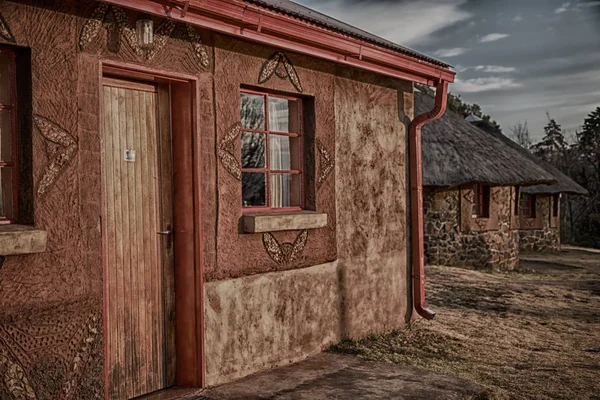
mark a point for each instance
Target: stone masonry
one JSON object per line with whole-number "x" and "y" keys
{"x": 447, "y": 244}
{"x": 546, "y": 239}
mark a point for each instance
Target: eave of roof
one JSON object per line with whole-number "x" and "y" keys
{"x": 248, "y": 20}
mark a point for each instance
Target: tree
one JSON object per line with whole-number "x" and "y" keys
{"x": 553, "y": 144}
{"x": 520, "y": 135}
{"x": 589, "y": 140}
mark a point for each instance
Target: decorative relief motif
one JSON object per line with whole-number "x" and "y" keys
{"x": 326, "y": 163}
{"x": 120, "y": 22}
{"x": 469, "y": 196}
{"x": 496, "y": 196}
{"x": 281, "y": 66}
{"x": 225, "y": 152}
{"x": 66, "y": 147}
{"x": 5, "y": 32}
{"x": 48, "y": 354}
{"x": 481, "y": 222}
{"x": 115, "y": 19}
{"x": 92, "y": 26}
{"x": 285, "y": 252}
{"x": 199, "y": 48}
{"x": 529, "y": 222}
{"x": 15, "y": 381}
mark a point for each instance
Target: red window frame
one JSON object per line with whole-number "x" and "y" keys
{"x": 481, "y": 201}
{"x": 527, "y": 205}
{"x": 12, "y": 107}
{"x": 267, "y": 170}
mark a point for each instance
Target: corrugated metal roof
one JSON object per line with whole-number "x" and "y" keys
{"x": 317, "y": 18}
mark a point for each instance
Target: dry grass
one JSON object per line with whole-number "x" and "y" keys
{"x": 532, "y": 334}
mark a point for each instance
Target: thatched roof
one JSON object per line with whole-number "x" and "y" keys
{"x": 564, "y": 184}
{"x": 455, "y": 153}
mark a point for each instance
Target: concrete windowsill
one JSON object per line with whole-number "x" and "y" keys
{"x": 21, "y": 239}
{"x": 283, "y": 221}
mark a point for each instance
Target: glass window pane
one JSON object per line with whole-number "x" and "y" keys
{"x": 253, "y": 150}
{"x": 284, "y": 152}
{"x": 252, "y": 111}
{"x": 254, "y": 189}
{"x": 5, "y": 136}
{"x": 286, "y": 190}
{"x": 283, "y": 115}
{"x": 4, "y": 79}
{"x": 6, "y": 197}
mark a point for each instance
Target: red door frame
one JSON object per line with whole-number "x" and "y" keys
{"x": 189, "y": 266}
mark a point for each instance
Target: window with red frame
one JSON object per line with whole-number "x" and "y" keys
{"x": 8, "y": 136}
{"x": 527, "y": 205}
{"x": 481, "y": 201}
{"x": 272, "y": 152}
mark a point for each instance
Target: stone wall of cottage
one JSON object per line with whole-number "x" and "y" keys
{"x": 547, "y": 237}
{"x": 447, "y": 244}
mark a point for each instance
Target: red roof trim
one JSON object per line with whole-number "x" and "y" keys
{"x": 268, "y": 27}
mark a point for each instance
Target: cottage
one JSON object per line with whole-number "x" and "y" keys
{"x": 470, "y": 178}
{"x": 538, "y": 208}
{"x": 194, "y": 191}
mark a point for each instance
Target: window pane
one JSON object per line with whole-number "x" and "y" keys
{"x": 253, "y": 150}
{"x": 6, "y": 197}
{"x": 285, "y": 152}
{"x": 286, "y": 190}
{"x": 254, "y": 189}
{"x": 283, "y": 115}
{"x": 4, "y": 79}
{"x": 252, "y": 111}
{"x": 5, "y": 136}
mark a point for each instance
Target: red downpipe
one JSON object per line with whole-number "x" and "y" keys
{"x": 416, "y": 198}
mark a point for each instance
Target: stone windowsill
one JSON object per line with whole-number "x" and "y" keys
{"x": 282, "y": 221}
{"x": 21, "y": 239}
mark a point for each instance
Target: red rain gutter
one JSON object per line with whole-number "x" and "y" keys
{"x": 250, "y": 22}
{"x": 416, "y": 198}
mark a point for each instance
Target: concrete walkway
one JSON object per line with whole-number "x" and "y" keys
{"x": 332, "y": 376}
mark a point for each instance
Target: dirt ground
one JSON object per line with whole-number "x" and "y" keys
{"x": 529, "y": 334}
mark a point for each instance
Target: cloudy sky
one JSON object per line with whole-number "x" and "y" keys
{"x": 517, "y": 59}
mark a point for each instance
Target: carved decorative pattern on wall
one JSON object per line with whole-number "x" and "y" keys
{"x": 49, "y": 355}
{"x": 495, "y": 195}
{"x": 5, "y": 32}
{"x": 226, "y": 149}
{"x": 481, "y": 222}
{"x": 92, "y": 26}
{"x": 116, "y": 20}
{"x": 199, "y": 48}
{"x": 469, "y": 196}
{"x": 281, "y": 66}
{"x": 326, "y": 163}
{"x": 285, "y": 252}
{"x": 64, "y": 149}
{"x": 529, "y": 222}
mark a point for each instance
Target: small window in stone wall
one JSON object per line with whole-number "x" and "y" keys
{"x": 517, "y": 194}
{"x": 527, "y": 205}
{"x": 481, "y": 201}
{"x": 555, "y": 205}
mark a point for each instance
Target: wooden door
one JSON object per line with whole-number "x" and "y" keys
{"x": 138, "y": 248}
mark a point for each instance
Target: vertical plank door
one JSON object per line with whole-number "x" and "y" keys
{"x": 138, "y": 255}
